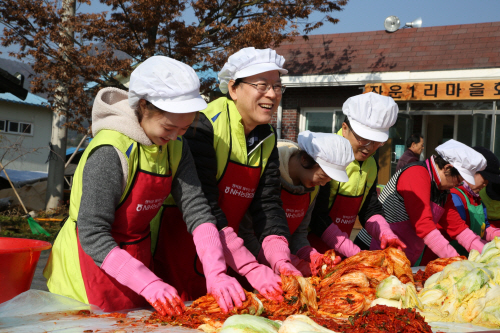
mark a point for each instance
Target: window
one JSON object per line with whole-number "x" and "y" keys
{"x": 25, "y": 128}
{"x": 319, "y": 121}
{"x": 325, "y": 120}
{"x": 13, "y": 127}
{"x": 16, "y": 127}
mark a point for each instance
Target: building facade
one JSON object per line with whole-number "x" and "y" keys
{"x": 25, "y": 132}
{"x": 446, "y": 81}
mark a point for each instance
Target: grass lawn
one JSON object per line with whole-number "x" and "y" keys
{"x": 15, "y": 224}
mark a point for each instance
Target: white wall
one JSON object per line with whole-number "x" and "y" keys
{"x": 33, "y": 148}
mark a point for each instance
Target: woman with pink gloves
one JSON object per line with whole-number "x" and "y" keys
{"x": 304, "y": 167}
{"x": 469, "y": 204}
{"x": 368, "y": 119}
{"x": 234, "y": 149}
{"x": 102, "y": 255}
{"x": 418, "y": 204}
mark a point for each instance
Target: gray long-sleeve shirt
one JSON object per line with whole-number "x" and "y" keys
{"x": 102, "y": 188}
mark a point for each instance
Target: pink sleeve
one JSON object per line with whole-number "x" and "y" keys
{"x": 414, "y": 185}
{"x": 377, "y": 226}
{"x": 491, "y": 233}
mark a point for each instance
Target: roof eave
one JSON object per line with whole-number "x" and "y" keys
{"x": 355, "y": 79}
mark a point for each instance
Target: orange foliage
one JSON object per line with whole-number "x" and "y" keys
{"x": 86, "y": 52}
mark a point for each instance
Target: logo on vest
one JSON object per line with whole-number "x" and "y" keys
{"x": 294, "y": 213}
{"x": 240, "y": 191}
{"x": 149, "y": 205}
{"x": 346, "y": 219}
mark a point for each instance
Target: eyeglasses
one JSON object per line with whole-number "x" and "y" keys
{"x": 264, "y": 87}
{"x": 365, "y": 142}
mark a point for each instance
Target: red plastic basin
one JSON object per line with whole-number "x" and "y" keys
{"x": 18, "y": 259}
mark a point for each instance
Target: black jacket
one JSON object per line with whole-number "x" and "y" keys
{"x": 266, "y": 208}
{"x": 321, "y": 220}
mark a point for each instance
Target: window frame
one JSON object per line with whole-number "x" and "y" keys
{"x": 305, "y": 110}
{"x": 7, "y": 123}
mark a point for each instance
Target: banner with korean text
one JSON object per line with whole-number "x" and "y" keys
{"x": 445, "y": 90}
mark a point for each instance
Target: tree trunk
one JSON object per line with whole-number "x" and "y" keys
{"x": 55, "y": 182}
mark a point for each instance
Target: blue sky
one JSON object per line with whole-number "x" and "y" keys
{"x": 369, "y": 15}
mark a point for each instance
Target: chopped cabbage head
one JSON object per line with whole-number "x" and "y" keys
{"x": 490, "y": 254}
{"x": 474, "y": 255}
{"x": 473, "y": 281}
{"x": 390, "y": 288}
{"x": 432, "y": 280}
{"x": 387, "y": 302}
{"x": 410, "y": 298}
{"x": 249, "y": 324}
{"x": 431, "y": 297}
{"x": 301, "y": 323}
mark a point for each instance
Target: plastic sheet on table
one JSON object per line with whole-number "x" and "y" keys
{"x": 458, "y": 327}
{"x": 415, "y": 269}
{"x": 36, "y": 311}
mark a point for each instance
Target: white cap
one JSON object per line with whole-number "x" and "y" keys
{"x": 371, "y": 115}
{"x": 247, "y": 62}
{"x": 332, "y": 152}
{"x": 463, "y": 158}
{"x": 168, "y": 84}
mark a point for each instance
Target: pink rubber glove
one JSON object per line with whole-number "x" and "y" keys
{"x": 491, "y": 233}
{"x": 225, "y": 289}
{"x": 134, "y": 274}
{"x": 244, "y": 263}
{"x": 316, "y": 262}
{"x": 315, "y": 258}
{"x": 276, "y": 251}
{"x": 339, "y": 241}
{"x": 378, "y": 228}
{"x": 469, "y": 240}
{"x": 302, "y": 265}
{"x": 391, "y": 239}
{"x": 306, "y": 252}
{"x": 439, "y": 245}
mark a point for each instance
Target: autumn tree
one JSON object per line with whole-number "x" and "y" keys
{"x": 140, "y": 29}
{"x": 88, "y": 58}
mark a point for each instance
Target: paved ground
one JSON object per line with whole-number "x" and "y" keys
{"x": 39, "y": 282}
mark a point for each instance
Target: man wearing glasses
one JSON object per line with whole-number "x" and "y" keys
{"x": 368, "y": 119}
{"x": 234, "y": 149}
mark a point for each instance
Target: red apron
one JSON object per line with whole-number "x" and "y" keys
{"x": 131, "y": 232}
{"x": 295, "y": 207}
{"x": 236, "y": 190}
{"x": 343, "y": 213}
{"x": 176, "y": 260}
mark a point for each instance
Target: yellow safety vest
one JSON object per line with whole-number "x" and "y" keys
{"x": 361, "y": 179}
{"x": 492, "y": 206}
{"x": 227, "y": 126}
{"x": 63, "y": 272}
